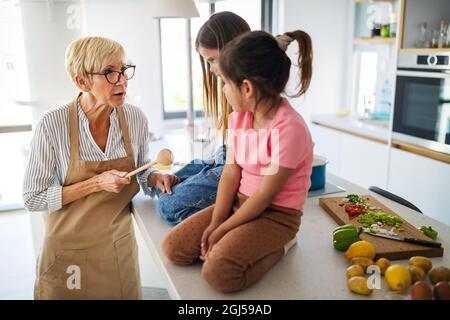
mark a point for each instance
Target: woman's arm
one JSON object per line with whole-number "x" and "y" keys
{"x": 110, "y": 181}
{"x": 39, "y": 190}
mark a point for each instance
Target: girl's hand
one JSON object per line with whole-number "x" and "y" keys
{"x": 210, "y": 237}
{"x": 204, "y": 242}
{"x": 163, "y": 182}
{"x": 111, "y": 181}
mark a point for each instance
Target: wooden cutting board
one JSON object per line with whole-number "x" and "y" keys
{"x": 390, "y": 249}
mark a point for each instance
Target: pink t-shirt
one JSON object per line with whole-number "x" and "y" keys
{"x": 285, "y": 141}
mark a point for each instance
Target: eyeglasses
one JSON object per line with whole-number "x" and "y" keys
{"x": 114, "y": 76}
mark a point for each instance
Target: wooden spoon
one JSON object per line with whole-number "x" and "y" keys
{"x": 164, "y": 157}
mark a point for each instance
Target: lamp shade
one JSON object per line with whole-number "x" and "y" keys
{"x": 174, "y": 9}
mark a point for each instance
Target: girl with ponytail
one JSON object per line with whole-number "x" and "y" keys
{"x": 266, "y": 178}
{"x": 200, "y": 178}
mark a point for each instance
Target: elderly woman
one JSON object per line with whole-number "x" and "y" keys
{"x": 80, "y": 155}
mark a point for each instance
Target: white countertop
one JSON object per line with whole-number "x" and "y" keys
{"x": 312, "y": 269}
{"x": 377, "y": 129}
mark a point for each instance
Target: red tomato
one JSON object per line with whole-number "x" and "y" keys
{"x": 354, "y": 209}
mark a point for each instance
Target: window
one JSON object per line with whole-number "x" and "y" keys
{"x": 13, "y": 74}
{"x": 366, "y": 81}
{"x": 15, "y": 120}
{"x": 173, "y": 48}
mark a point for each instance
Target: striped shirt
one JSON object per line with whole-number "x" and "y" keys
{"x": 50, "y": 153}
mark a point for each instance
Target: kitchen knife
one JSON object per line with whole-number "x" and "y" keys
{"x": 406, "y": 239}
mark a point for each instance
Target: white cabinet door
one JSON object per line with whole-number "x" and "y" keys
{"x": 364, "y": 162}
{"x": 422, "y": 181}
{"x": 358, "y": 160}
{"x": 327, "y": 143}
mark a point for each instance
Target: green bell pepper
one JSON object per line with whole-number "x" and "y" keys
{"x": 344, "y": 236}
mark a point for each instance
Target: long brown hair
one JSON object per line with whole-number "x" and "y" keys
{"x": 258, "y": 57}
{"x": 215, "y": 33}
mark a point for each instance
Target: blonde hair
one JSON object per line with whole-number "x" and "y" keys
{"x": 91, "y": 54}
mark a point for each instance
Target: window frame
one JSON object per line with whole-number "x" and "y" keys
{"x": 268, "y": 7}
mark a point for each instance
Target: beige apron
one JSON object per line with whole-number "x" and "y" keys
{"x": 90, "y": 250}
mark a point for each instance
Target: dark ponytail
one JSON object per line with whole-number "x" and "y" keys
{"x": 305, "y": 57}
{"x": 261, "y": 58}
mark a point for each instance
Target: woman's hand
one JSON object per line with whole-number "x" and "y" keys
{"x": 163, "y": 182}
{"x": 212, "y": 234}
{"x": 112, "y": 181}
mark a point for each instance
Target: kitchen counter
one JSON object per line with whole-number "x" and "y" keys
{"x": 376, "y": 130}
{"x": 311, "y": 270}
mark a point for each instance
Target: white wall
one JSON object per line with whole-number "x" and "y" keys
{"x": 328, "y": 22}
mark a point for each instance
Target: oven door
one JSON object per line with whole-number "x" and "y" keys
{"x": 422, "y": 109}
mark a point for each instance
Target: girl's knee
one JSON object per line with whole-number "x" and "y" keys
{"x": 223, "y": 275}
{"x": 167, "y": 208}
{"x": 176, "y": 248}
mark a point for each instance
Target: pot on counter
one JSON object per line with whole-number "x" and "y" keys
{"x": 318, "y": 174}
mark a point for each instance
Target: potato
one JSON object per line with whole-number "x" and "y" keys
{"x": 358, "y": 285}
{"x": 421, "y": 262}
{"x": 363, "y": 262}
{"x": 417, "y": 274}
{"x": 439, "y": 274}
{"x": 354, "y": 270}
{"x": 383, "y": 264}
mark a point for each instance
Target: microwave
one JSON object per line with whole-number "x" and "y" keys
{"x": 422, "y": 100}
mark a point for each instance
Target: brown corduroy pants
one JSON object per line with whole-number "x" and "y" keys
{"x": 244, "y": 254}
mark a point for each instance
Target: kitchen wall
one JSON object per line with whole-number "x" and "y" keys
{"x": 328, "y": 23}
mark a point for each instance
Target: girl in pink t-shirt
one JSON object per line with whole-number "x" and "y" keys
{"x": 266, "y": 178}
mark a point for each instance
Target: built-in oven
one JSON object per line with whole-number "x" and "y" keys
{"x": 422, "y": 100}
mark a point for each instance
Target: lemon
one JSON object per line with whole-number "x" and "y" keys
{"x": 398, "y": 277}
{"x": 362, "y": 249}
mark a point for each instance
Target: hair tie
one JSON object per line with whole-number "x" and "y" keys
{"x": 284, "y": 41}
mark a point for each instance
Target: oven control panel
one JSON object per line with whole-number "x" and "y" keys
{"x": 424, "y": 60}
{"x": 432, "y": 60}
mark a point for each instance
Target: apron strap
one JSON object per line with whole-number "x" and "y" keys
{"x": 73, "y": 126}
{"x": 125, "y": 132}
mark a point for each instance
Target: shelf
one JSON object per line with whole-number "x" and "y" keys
{"x": 374, "y": 40}
{"x": 425, "y": 50}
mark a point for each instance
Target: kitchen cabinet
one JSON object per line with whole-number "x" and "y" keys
{"x": 422, "y": 181}
{"x": 373, "y": 58}
{"x": 414, "y": 12}
{"x": 363, "y": 162}
{"x": 356, "y": 159}
{"x": 328, "y": 144}
{"x": 370, "y": 13}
